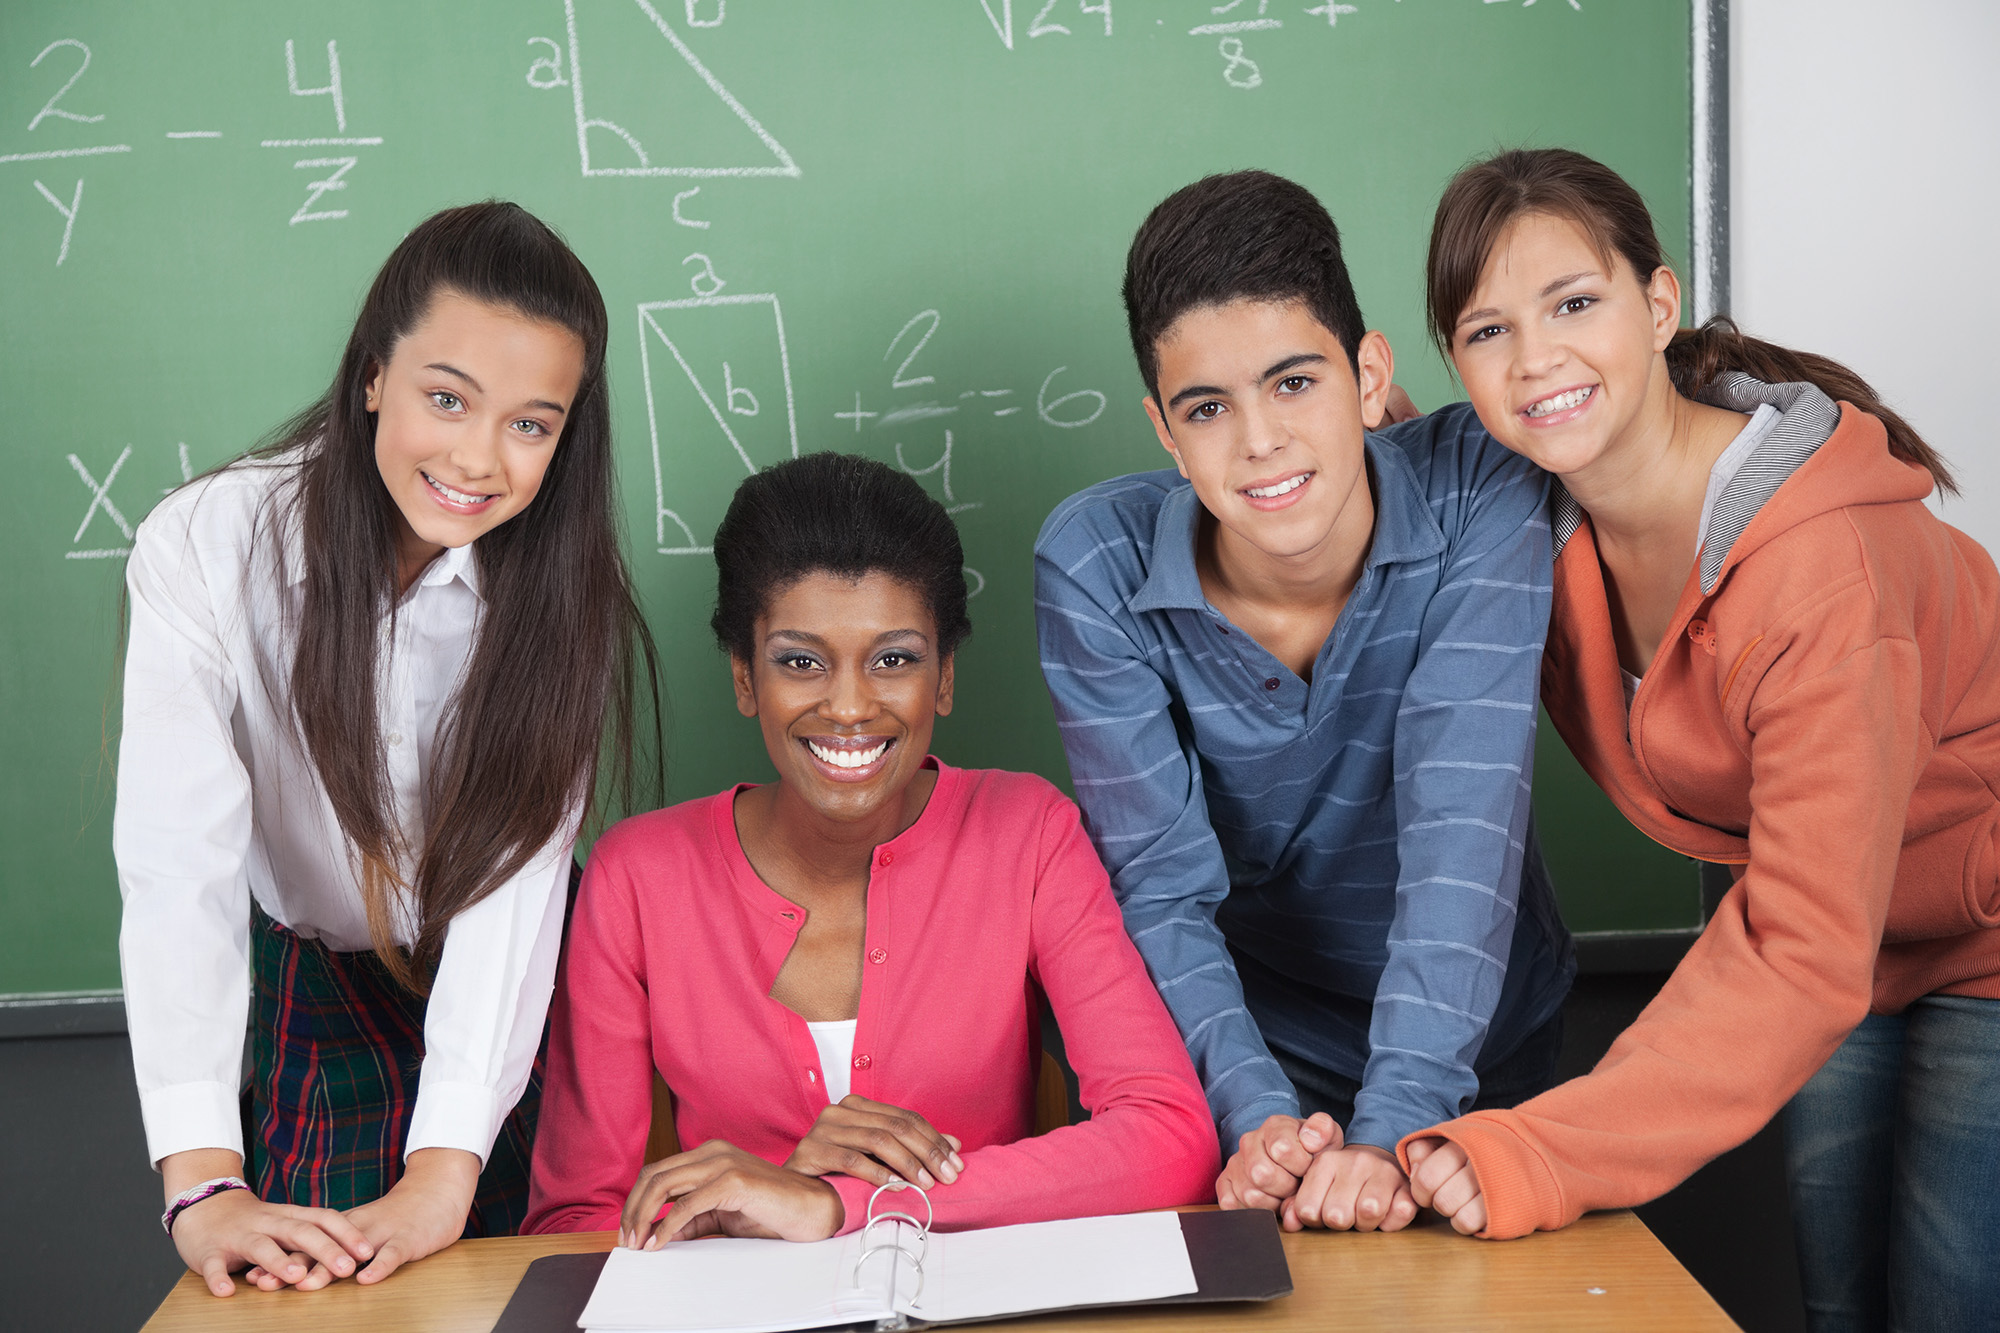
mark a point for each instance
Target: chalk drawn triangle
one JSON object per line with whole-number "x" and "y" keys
{"x": 633, "y": 157}
{"x": 756, "y": 425}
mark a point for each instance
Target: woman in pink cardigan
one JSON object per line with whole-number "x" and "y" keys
{"x": 840, "y": 974}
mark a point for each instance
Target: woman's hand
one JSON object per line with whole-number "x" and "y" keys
{"x": 1359, "y": 1187}
{"x": 421, "y": 1214}
{"x": 718, "y": 1189}
{"x": 876, "y": 1142}
{"x": 1271, "y": 1159}
{"x": 1441, "y": 1177}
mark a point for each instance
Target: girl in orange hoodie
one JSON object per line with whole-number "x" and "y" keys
{"x": 1770, "y": 654}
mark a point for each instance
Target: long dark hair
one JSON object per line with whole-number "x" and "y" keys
{"x": 1484, "y": 198}
{"x": 841, "y": 514}
{"x": 560, "y": 644}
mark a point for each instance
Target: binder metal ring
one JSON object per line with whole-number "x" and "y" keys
{"x": 930, "y": 1214}
{"x": 895, "y": 1246}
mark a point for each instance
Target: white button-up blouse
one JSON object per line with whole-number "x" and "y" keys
{"x": 218, "y": 802}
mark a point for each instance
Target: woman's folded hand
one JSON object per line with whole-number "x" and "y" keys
{"x": 876, "y": 1142}
{"x": 718, "y": 1189}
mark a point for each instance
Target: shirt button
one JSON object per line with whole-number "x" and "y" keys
{"x": 394, "y": 738}
{"x": 878, "y": 955}
{"x": 1271, "y": 683}
{"x": 885, "y": 858}
{"x": 862, "y": 1062}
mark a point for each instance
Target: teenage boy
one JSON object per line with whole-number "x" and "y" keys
{"x": 1297, "y": 686}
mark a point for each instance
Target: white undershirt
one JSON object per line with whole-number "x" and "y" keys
{"x": 835, "y": 1041}
{"x": 1726, "y": 467}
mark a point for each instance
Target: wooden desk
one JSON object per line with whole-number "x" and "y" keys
{"x": 1607, "y": 1271}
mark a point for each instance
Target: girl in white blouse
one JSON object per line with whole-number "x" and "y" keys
{"x": 366, "y": 692}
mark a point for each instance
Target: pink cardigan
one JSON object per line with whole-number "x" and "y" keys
{"x": 991, "y": 900}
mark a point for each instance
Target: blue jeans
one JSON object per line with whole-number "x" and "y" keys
{"x": 1892, "y": 1151}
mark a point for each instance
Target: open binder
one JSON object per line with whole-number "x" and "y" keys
{"x": 896, "y": 1273}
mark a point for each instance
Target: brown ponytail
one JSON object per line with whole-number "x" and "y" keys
{"x": 1484, "y": 199}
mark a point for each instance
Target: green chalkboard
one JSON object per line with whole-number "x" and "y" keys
{"x": 892, "y": 226}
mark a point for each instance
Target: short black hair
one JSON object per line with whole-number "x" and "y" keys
{"x": 838, "y": 514}
{"x": 1246, "y": 235}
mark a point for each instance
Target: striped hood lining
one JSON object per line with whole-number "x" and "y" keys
{"x": 1807, "y": 420}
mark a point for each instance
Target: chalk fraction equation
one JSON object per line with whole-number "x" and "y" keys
{"x": 1229, "y": 22}
{"x": 70, "y": 102}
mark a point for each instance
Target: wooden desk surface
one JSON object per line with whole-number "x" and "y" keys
{"x": 1607, "y": 1271}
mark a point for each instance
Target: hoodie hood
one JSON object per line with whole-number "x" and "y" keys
{"x": 1756, "y": 506}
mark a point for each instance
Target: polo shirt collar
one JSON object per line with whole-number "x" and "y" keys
{"x": 1405, "y": 530}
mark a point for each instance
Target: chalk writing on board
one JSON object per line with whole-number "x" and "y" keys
{"x": 705, "y": 282}
{"x": 309, "y": 211}
{"x": 1331, "y": 12}
{"x": 1227, "y": 20}
{"x": 546, "y": 71}
{"x": 902, "y": 379}
{"x": 68, "y": 212}
{"x": 332, "y": 88}
{"x": 692, "y": 330}
{"x": 341, "y": 166}
{"x": 101, "y": 502}
{"x": 782, "y": 164}
{"x": 49, "y": 108}
{"x": 1048, "y": 20}
{"x": 54, "y": 53}
{"x": 103, "y": 509}
{"x": 953, "y": 505}
{"x": 699, "y": 224}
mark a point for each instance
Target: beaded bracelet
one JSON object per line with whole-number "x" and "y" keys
{"x": 188, "y": 1198}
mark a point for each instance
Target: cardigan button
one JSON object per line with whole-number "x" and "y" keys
{"x": 862, "y": 1062}
{"x": 885, "y": 858}
{"x": 878, "y": 955}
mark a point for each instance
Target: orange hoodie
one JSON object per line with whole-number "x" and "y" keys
{"x": 1827, "y": 720}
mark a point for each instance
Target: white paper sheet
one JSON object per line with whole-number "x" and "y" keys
{"x": 726, "y": 1285}
{"x": 1053, "y": 1266}
{"x": 770, "y": 1286}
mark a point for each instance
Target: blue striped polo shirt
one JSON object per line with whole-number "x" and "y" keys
{"x": 1283, "y": 850}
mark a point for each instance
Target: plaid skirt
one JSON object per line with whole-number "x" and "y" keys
{"x": 337, "y": 1046}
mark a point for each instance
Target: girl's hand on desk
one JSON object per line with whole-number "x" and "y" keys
{"x": 876, "y": 1142}
{"x": 421, "y": 1214}
{"x": 1441, "y": 1177}
{"x": 1359, "y": 1187}
{"x": 718, "y": 1189}
{"x": 303, "y": 1247}
{"x": 1271, "y": 1159}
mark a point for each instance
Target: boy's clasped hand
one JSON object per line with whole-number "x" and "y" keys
{"x": 1303, "y": 1171}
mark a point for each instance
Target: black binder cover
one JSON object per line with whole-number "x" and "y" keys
{"x": 1236, "y": 1256}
